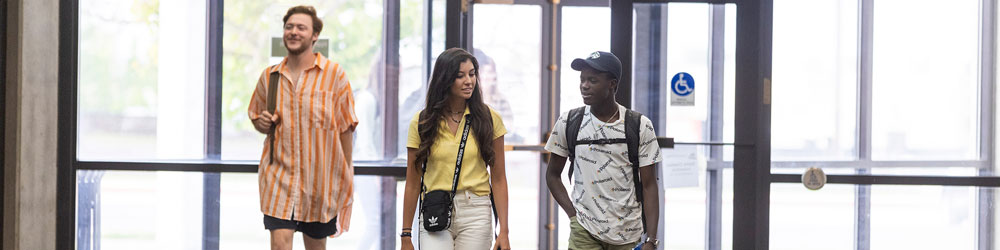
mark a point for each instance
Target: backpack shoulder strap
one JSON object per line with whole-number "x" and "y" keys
{"x": 272, "y": 99}
{"x": 633, "y": 121}
{"x": 272, "y": 91}
{"x": 573, "y": 121}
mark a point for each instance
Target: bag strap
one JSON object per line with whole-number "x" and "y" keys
{"x": 572, "y": 130}
{"x": 632, "y": 121}
{"x": 458, "y": 162}
{"x": 602, "y": 141}
{"x": 272, "y": 99}
{"x": 461, "y": 152}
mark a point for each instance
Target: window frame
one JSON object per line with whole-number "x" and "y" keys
{"x": 211, "y": 165}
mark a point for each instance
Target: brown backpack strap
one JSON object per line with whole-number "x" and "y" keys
{"x": 272, "y": 99}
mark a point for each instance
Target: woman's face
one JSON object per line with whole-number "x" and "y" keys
{"x": 465, "y": 81}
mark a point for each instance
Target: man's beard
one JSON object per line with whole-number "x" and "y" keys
{"x": 302, "y": 48}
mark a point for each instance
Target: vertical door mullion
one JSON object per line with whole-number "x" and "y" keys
{"x": 862, "y": 209}
{"x": 714, "y": 179}
{"x": 985, "y": 226}
{"x": 390, "y": 109}
{"x": 548, "y": 210}
{"x": 213, "y": 125}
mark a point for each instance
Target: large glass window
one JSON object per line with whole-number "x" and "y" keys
{"x": 139, "y": 210}
{"x": 142, "y": 97}
{"x": 242, "y": 226}
{"x": 945, "y": 214}
{"x": 141, "y": 79}
{"x": 584, "y": 30}
{"x": 414, "y": 71}
{"x": 142, "y": 88}
{"x": 925, "y": 81}
{"x": 827, "y": 214}
{"x": 509, "y": 55}
{"x": 352, "y": 33}
{"x": 814, "y": 85}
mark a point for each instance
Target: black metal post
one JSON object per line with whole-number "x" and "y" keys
{"x": 3, "y": 102}
{"x": 66, "y": 152}
{"x": 621, "y": 46}
{"x": 453, "y": 24}
{"x": 751, "y": 166}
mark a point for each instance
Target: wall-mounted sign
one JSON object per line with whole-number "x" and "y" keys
{"x": 682, "y": 90}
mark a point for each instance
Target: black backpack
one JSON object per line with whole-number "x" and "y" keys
{"x": 632, "y": 121}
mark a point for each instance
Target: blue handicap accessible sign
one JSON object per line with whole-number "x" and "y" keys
{"x": 682, "y": 84}
{"x": 681, "y": 89}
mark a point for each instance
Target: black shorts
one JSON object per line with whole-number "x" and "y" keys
{"x": 315, "y": 230}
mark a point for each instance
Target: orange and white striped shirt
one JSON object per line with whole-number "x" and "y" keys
{"x": 310, "y": 179}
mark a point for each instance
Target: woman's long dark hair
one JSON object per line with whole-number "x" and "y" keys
{"x": 446, "y": 70}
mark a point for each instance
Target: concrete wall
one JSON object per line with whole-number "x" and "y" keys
{"x": 30, "y": 124}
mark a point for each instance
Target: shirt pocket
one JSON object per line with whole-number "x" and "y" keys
{"x": 321, "y": 109}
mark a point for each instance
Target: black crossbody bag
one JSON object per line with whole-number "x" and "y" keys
{"x": 436, "y": 206}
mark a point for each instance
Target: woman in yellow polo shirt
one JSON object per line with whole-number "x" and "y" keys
{"x": 454, "y": 105}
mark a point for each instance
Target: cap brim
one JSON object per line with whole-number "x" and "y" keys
{"x": 578, "y": 65}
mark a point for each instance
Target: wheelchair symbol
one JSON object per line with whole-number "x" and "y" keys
{"x": 681, "y": 86}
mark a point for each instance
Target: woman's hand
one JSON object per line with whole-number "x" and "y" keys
{"x": 502, "y": 242}
{"x": 405, "y": 243}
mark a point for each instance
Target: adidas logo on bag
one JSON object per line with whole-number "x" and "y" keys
{"x": 433, "y": 221}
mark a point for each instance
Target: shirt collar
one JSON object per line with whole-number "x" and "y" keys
{"x": 621, "y": 115}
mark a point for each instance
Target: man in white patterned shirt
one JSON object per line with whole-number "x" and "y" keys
{"x": 604, "y": 210}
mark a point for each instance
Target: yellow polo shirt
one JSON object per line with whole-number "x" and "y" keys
{"x": 444, "y": 152}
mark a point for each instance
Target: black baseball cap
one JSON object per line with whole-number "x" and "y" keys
{"x": 601, "y": 61}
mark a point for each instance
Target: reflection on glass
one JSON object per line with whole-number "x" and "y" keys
{"x": 687, "y": 51}
{"x": 241, "y": 222}
{"x": 814, "y": 80}
{"x": 931, "y": 171}
{"x": 801, "y": 170}
{"x": 509, "y": 55}
{"x": 925, "y": 81}
{"x": 685, "y": 201}
{"x": 139, "y": 210}
{"x": 353, "y": 29}
{"x": 729, "y": 80}
{"x": 414, "y": 71}
{"x": 806, "y": 219}
{"x": 132, "y": 102}
{"x": 522, "y": 193}
{"x": 945, "y": 216}
{"x": 584, "y": 30}
{"x": 727, "y": 208}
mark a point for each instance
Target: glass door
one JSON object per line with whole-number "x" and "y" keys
{"x": 682, "y": 79}
{"x": 509, "y": 51}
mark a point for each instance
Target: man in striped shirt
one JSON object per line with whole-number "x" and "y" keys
{"x": 305, "y": 175}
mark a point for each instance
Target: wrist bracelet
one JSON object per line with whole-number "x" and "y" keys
{"x": 405, "y": 234}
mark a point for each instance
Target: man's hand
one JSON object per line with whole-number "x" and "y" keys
{"x": 264, "y": 123}
{"x": 647, "y": 246}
